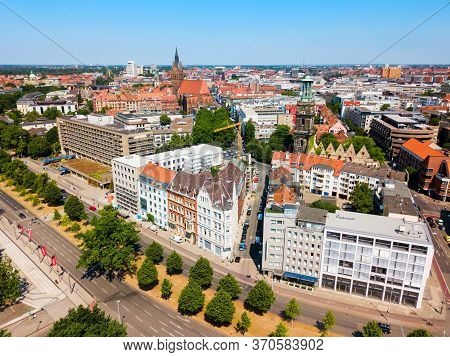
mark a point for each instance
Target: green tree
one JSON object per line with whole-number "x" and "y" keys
{"x": 52, "y": 194}
{"x": 385, "y": 107}
{"x": 52, "y": 135}
{"x": 56, "y": 215}
{"x": 329, "y": 321}
{"x": 220, "y": 310}
{"x": 10, "y": 283}
{"x": 28, "y": 179}
{"x": 74, "y": 208}
{"x": 214, "y": 170}
{"x": 327, "y": 139}
{"x": 166, "y": 289}
{"x": 420, "y": 332}
{"x": 110, "y": 246}
{"x": 334, "y": 106}
{"x": 206, "y": 122}
{"x": 82, "y": 322}
{"x": 74, "y": 228}
{"x": 249, "y": 134}
{"x": 292, "y": 310}
{"x": 202, "y": 273}
{"x": 154, "y": 253}
{"x": 362, "y": 198}
{"x": 52, "y": 113}
{"x": 371, "y": 329}
{"x": 281, "y": 139}
{"x": 12, "y": 136}
{"x": 280, "y": 331}
{"x": 5, "y": 333}
{"x": 323, "y": 204}
{"x": 434, "y": 121}
{"x": 244, "y": 323}
{"x": 191, "y": 299}
{"x": 164, "y": 120}
{"x": 229, "y": 284}
{"x": 150, "y": 218}
{"x": 31, "y": 116}
{"x": 147, "y": 275}
{"x": 260, "y": 298}
{"x": 40, "y": 184}
{"x": 174, "y": 264}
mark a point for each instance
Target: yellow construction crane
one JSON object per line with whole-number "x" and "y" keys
{"x": 238, "y": 136}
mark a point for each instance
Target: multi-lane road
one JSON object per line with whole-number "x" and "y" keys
{"x": 144, "y": 316}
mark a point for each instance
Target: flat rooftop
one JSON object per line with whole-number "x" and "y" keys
{"x": 399, "y": 119}
{"x": 133, "y": 160}
{"x": 379, "y": 227}
{"x": 309, "y": 214}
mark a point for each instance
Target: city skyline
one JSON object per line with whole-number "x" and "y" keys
{"x": 214, "y": 35}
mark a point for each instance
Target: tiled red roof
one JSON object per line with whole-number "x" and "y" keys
{"x": 158, "y": 173}
{"x": 193, "y": 86}
{"x": 421, "y": 149}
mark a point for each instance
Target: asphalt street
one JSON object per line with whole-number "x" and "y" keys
{"x": 144, "y": 317}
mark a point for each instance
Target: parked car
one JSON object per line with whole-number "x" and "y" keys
{"x": 249, "y": 211}
{"x": 92, "y": 208}
{"x": 439, "y": 222}
{"x": 242, "y": 246}
{"x": 22, "y": 216}
{"x": 429, "y": 219}
{"x": 432, "y": 224}
{"x": 177, "y": 239}
{"x": 386, "y": 328}
{"x": 153, "y": 227}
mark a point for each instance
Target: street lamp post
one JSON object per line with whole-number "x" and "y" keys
{"x": 118, "y": 311}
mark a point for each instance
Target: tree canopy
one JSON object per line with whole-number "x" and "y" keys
{"x": 420, "y": 332}
{"x": 110, "y": 246}
{"x": 206, "y": 121}
{"x": 52, "y": 194}
{"x": 260, "y": 298}
{"x": 244, "y": 323}
{"x": 249, "y": 133}
{"x": 229, "y": 284}
{"x": 147, "y": 275}
{"x": 191, "y": 299}
{"x": 74, "y": 208}
{"x": 202, "y": 273}
{"x": 174, "y": 264}
{"x": 371, "y": 329}
{"x": 362, "y": 198}
{"x": 164, "y": 120}
{"x": 292, "y": 310}
{"x": 220, "y": 310}
{"x": 329, "y": 321}
{"x": 166, "y": 289}
{"x": 82, "y": 322}
{"x": 323, "y": 204}
{"x": 154, "y": 252}
{"x": 280, "y": 331}
{"x": 10, "y": 283}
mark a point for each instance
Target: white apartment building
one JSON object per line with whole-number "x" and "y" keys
{"x": 377, "y": 257}
{"x": 217, "y": 212}
{"x": 126, "y": 171}
{"x": 292, "y": 245}
{"x": 26, "y": 105}
{"x": 192, "y": 159}
{"x": 363, "y": 116}
{"x": 153, "y": 182}
{"x": 265, "y": 118}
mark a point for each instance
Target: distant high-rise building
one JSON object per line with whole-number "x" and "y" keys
{"x": 176, "y": 74}
{"x": 294, "y": 72}
{"x": 131, "y": 69}
{"x": 304, "y": 120}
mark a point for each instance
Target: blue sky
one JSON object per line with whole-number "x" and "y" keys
{"x": 224, "y": 32}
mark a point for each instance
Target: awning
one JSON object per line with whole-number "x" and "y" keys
{"x": 301, "y": 277}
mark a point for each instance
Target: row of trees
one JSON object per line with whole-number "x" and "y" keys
{"x": 28, "y": 183}
{"x": 206, "y": 121}
{"x": 13, "y": 137}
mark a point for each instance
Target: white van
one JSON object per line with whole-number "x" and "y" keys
{"x": 177, "y": 239}
{"x": 153, "y": 227}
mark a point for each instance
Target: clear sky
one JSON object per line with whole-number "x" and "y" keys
{"x": 224, "y": 32}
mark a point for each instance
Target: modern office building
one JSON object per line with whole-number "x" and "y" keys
{"x": 377, "y": 257}
{"x": 392, "y": 131}
{"x": 126, "y": 171}
{"x": 153, "y": 182}
{"x": 192, "y": 159}
{"x": 292, "y": 244}
{"x": 362, "y": 117}
{"x": 98, "y": 138}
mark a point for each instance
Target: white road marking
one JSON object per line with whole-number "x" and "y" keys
{"x": 126, "y": 308}
{"x": 154, "y": 329}
{"x": 168, "y": 332}
{"x": 106, "y": 292}
{"x": 147, "y": 312}
{"x": 177, "y": 326}
{"x": 163, "y": 323}
{"x": 178, "y": 333}
{"x": 139, "y": 319}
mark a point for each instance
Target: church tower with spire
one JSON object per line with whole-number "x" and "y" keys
{"x": 176, "y": 73}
